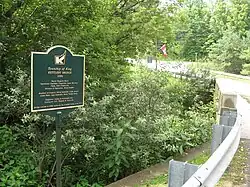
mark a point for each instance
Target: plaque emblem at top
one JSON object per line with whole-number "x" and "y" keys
{"x": 60, "y": 59}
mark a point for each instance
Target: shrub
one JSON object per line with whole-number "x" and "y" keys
{"x": 228, "y": 50}
{"x": 17, "y": 165}
{"x": 148, "y": 118}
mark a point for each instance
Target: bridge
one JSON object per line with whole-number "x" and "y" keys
{"x": 227, "y": 90}
{"x": 232, "y": 96}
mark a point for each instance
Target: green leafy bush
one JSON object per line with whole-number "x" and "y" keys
{"x": 148, "y": 118}
{"x": 144, "y": 120}
{"x": 17, "y": 164}
{"x": 130, "y": 119}
{"x": 84, "y": 183}
{"x": 245, "y": 69}
{"x": 232, "y": 50}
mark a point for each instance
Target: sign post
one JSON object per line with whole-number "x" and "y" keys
{"x": 57, "y": 86}
{"x": 58, "y": 149}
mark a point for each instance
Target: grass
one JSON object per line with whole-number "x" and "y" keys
{"x": 217, "y": 67}
{"x": 201, "y": 159}
{"x": 161, "y": 180}
{"x": 206, "y": 65}
{"x": 158, "y": 181}
{"x": 234, "y": 175}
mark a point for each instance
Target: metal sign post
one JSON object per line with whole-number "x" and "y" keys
{"x": 57, "y": 86}
{"x": 58, "y": 148}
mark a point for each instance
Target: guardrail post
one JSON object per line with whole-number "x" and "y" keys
{"x": 228, "y": 116}
{"x": 224, "y": 145}
{"x": 180, "y": 172}
{"x": 220, "y": 132}
{"x": 216, "y": 137}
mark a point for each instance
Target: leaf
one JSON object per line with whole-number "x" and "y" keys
{"x": 117, "y": 158}
{"x": 111, "y": 164}
{"x": 181, "y": 149}
{"x": 118, "y": 143}
{"x": 11, "y": 162}
{"x": 111, "y": 174}
{"x": 117, "y": 171}
{"x": 119, "y": 132}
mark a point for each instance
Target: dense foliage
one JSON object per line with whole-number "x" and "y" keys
{"x": 212, "y": 31}
{"x": 133, "y": 118}
{"x": 146, "y": 119}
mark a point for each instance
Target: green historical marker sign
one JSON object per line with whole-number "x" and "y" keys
{"x": 57, "y": 83}
{"x": 57, "y": 80}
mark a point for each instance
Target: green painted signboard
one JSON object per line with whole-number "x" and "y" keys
{"x": 57, "y": 80}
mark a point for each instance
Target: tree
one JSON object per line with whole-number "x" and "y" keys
{"x": 228, "y": 50}
{"x": 238, "y": 19}
{"x": 178, "y": 29}
{"x": 198, "y": 30}
{"x": 218, "y": 21}
{"x": 105, "y": 31}
{"x": 84, "y": 27}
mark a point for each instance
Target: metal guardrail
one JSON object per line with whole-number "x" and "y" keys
{"x": 225, "y": 142}
{"x": 210, "y": 172}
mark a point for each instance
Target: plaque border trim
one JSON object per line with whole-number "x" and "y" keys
{"x": 32, "y": 81}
